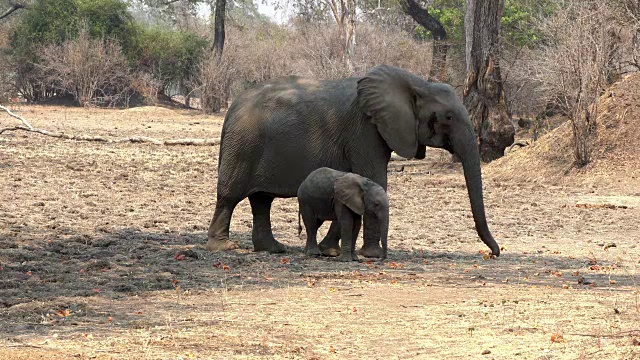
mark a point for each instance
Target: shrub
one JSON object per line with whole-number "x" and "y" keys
{"x": 93, "y": 71}
{"x": 268, "y": 51}
{"x": 52, "y": 22}
{"x": 171, "y": 57}
{"x": 574, "y": 66}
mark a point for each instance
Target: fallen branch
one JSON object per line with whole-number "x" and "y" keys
{"x": 614, "y": 335}
{"x": 24, "y": 121}
{"x": 134, "y": 139}
{"x": 14, "y": 7}
{"x": 23, "y": 345}
{"x": 195, "y": 142}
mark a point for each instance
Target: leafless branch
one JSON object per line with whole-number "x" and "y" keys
{"x": 14, "y": 7}
{"x": 24, "y": 121}
{"x": 97, "y": 138}
{"x": 104, "y": 139}
{"x": 614, "y": 335}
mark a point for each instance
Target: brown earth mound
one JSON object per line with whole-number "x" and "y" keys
{"x": 615, "y": 161}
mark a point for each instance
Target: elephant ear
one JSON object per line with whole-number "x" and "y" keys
{"x": 385, "y": 93}
{"x": 348, "y": 191}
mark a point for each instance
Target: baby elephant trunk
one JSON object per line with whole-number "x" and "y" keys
{"x": 299, "y": 225}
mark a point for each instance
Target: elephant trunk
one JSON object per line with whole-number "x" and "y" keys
{"x": 465, "y": 146}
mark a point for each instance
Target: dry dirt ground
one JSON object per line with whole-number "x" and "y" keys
{"x": 101, "y": 256}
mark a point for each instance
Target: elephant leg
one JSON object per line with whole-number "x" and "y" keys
{"x": 312, "y": 226}
{"x": 371, "y": 247}
{"x": 261, "y": 234}
{"x": 354, "y": 236}
{"x": 329, "y": 246}
{"x": 349, "y": 221}
{"x": 218, "y": 234}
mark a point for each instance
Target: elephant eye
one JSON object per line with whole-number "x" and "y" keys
{"x": 449, "y": 117}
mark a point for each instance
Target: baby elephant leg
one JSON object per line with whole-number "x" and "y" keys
{"x": 348, "y": 221}
{"x": 311, "y": 224}
{"x": 357, "y": 221}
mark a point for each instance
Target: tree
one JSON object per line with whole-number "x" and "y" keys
{"x": 218, "y": 8}
{"x": 439, "y": 33}
{"x": 210, "y": 103}
{"x": 483, "y": 90}
{"x": 344, "y": 13}
{"x": 218, "y": 31}
{"x": 321, "y": 11}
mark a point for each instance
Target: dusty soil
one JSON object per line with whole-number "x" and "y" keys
{"x": 101, "y": 256}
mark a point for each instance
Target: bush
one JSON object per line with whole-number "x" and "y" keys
{"x": 575, "y": 65}
{"x": 171, "y": 57}
{"x": 52, "y": 22}
{"x": 268, "y": 51}
{"x": 95, "y": 72}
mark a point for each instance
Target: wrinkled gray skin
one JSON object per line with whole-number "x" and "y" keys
{"x": 328, "y": 194}
{"x": 275, "y": 134}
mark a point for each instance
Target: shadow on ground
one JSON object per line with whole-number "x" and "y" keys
{"x": 40, "y": 281}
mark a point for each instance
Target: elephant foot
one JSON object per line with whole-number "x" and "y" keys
{"x": 371, "y": 251}
{"x": 220, "y": 245}
{"x": 313, "y": 252}
{"x": 333, "y": 250}
{"x": 272, "y": 246}
{"x": 347, "y": 257}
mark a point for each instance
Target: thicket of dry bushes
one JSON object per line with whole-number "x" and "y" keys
{"x": 587, "y": 46}
{"x": 265, "y": 52}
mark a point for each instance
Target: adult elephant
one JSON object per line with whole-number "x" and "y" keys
{"x": 278, "y": 132}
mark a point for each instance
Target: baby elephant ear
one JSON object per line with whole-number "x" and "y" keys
{"x": 348, "y": 191}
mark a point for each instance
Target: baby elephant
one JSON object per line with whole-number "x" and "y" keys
{"x": 328, "y": 194}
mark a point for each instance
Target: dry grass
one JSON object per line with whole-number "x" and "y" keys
{"x": 95, "y": 228}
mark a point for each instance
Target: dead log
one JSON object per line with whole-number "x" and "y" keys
{"x": 81, "y": 137}
{"x": 195, "y": 142}
{"x": 24, "y": 121}
{"x": 133, "y": 139}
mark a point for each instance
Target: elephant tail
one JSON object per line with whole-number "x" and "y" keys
{"x": 299, "y": 224}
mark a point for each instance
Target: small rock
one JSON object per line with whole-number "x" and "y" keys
{"x": 635, "y": 342}
{"x": 583, "y": 281}
{"x": 190, "y": 253}
{"x": 486, "y": 352}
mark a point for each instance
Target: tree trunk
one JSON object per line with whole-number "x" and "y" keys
{"x": 483, "y": 91}
{"x": 440, "y": 46}
{"x": 218, "y": 45}
{"x": 350, "y": 34}
{"x": 344, "y": 12}
{"x": 218, "y": 27}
